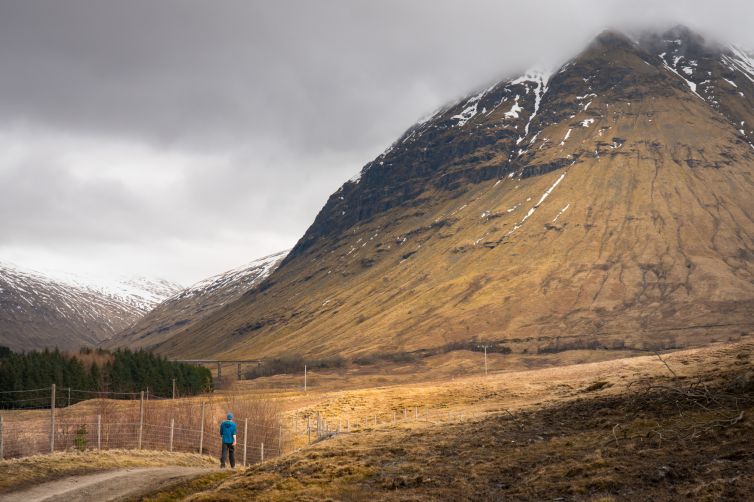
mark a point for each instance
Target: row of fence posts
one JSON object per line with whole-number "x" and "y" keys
{"x": 140, "y": 436}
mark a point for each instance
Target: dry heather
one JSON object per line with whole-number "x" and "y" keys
{"x": 631, "y": 430}
{"x": 19, "y": 473}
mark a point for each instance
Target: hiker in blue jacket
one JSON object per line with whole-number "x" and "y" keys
{"x": 228, "y": 434}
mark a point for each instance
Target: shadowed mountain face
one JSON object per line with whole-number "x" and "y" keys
{"x": 611, "y": 200}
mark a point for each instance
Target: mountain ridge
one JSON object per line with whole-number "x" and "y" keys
{"x": 611, "y": 200}
{"x": 194, "y": 302}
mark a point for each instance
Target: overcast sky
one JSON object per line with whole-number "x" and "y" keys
{"x": 181, "y": 138}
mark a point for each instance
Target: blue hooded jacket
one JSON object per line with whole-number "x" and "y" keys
{"x": 228, "y": 430}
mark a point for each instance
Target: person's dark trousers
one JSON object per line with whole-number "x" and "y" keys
{"x": 229, "y": 450}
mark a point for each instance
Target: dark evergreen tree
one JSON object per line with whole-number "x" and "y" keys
{"x": 124, "y": 372}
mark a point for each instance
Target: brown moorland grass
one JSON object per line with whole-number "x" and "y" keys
{"x": 22, "y": 472}
{"x": 624, "y": 430}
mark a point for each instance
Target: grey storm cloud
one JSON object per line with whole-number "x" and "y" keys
{"x": 247, "y": 114}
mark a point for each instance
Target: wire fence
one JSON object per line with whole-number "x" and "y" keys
{"x": 107, "y": 421}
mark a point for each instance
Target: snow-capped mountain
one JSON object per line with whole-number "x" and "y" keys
{"x": 607, "y": 201}
{"x": 195, "y": 302}
{"x": 52, "y": 309}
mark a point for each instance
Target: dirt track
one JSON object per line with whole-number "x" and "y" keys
{"x": 110, "y": 485}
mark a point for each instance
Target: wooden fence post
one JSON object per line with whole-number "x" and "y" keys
{"x": 201, "y": 431}
{"x": 416, "y": 412}
{"x": 405, "y": 413}
{"x": 348, "y": 424}
{"x": 174, "y": 388}
{"x": 141, "y": 417}
{"x": 261, "y": 452}
{"x": 172, "y": 432}
{"x": 245, "y": 438}
{"x": 99, "y": 432}
{"x": 52, "y": 420}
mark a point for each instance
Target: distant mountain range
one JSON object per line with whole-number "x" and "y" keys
{"x": 194, "y": 303}
{"x": 39, "y": 310}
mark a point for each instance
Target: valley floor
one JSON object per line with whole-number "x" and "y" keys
{"x": 671, "y": 427}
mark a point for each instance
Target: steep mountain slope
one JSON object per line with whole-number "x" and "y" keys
{"x": 69, "y": 312}
{"x": 194, "y": 303}
{"x": 610, "y": 201}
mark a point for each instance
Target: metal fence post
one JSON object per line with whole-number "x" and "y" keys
{"x": 99, "y": 432}
{"x": 52, "y": 420}
{"x": 172, "y": 432}
{"x": 141, "y": 418}
{"x": 201, "y": 432}
{"x": 245, "y": 438}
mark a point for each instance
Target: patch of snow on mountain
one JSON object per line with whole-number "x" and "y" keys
{"x": 540, "y": 77}
{"x": 241, "y": 278}
{"x": 471, "y": 108}
{"x": 741, "y": 61}
{"x": 515, "y": 109}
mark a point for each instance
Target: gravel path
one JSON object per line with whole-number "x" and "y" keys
{"x": 110, "y": 485}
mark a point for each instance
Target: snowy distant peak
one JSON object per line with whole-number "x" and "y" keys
{"x": 194, "y": 303}
{"x": 237, "y": 279}
{"x": 140, "y": 293}
{"x": 46, "y": 310}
